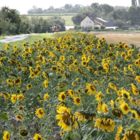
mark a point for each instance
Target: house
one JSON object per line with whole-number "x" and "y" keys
{"x": 90, "y": 22}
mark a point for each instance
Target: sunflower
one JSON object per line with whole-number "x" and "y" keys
{"x": 20, "y": 97}
{"x": 125, "y": 94}
{"x": 108, "y": 91}
{"x": 91, "y": 89}
{"x": 23, "y": 132}
{"x": 29, "y": 86}
{"x": 105, "y": 123}
{"x": 66, "y": 120}
{"x": 45, "y": 75}
{"x": 32, "y": 75}
{"x": 118, "y": 137}
{"x": 13, "y": 98}
{"x": 46, "y": 96}
{"x": 137, "y": 79}
{"x": 9, "y": 81}
{"x": 135, "y": 114}
{"x": 54, "y": 68}
{"x": 84, "y": 63}
{"x": 99, "y": 96}
{"x": 6, "y": 135}
{"x": 99, "y": 107}
{"x": 105, "y": 108}
{"x": 131, "y": 135}
{"x": 61, "y": 133}
{"x": 45, "y": 83}
{"x": 73, "y": 84}
{"x": 61, "y": 104}
{"x": 106, "y": 66}
{"x": 123, "y": 54}
{"x": 125, "y": 108}
{"x": 120, "y": 129}
{"x": 132, "y": 101}
{"x": 112, "y": 104}
{"x": 24, "y": 68}
{"x": 21, "y": 108}
{"x": 19, "y": 117}
{"x": 62, "y": 96}
{"x": 117, "y": 113}
{"x": 18, "y": 81}
{"x": 71, "y": 93}
{"x": 77, "y": 101}
{"x": 112, "y": 86}
{"x": 40, "y": 112}
{"x": 37, "y": 137}
{"x": 125, "y": 46}
{"x": 119, "y": 92}
{"x": 80, "y": 116}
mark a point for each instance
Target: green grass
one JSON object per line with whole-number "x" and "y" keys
{"x": 1, "y": 37}
{"x": 67, "y": 18}
{"x": 31, "y": 39}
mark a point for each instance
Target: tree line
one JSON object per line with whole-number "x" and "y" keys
{"x": 67, "y": 8}
{"x": 13, "y": 23}
{"x": 121, "y": 16}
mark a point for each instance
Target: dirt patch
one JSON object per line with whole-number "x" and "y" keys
{"x": 128, "y": 38}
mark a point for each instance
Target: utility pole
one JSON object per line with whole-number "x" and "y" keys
{"x": 135, "y": 3}
{"x": 138, "y": 2}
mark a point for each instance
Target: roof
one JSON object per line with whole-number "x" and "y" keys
{"x": 101, "y": 19}
{"x": 95, "y": 19}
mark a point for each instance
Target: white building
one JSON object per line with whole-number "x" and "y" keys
{"x": 90, "y": 22}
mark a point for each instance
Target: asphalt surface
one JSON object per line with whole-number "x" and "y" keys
{"x": 9, "y": 39}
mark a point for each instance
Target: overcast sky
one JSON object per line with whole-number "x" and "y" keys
{"x": 24, "y": 5}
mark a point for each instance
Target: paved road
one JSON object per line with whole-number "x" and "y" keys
{"x": 9, "y": 39}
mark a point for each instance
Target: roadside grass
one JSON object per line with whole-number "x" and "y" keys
{"x": 30, "y": 40}
{"x": 68, "y": 18}
{"x": 1, "y": 37}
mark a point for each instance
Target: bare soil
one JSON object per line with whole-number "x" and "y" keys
{"x": 128, "y": 38}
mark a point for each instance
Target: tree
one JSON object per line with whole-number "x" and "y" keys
{"x": 10, "y": 16}
{"x": 82, "y": 14}
{"x": 132, "y": 14}
{"x": 68, "y": 6}
{"x": 119, "y": 14}
{"x": 96, "y": 7}
{"x": 106, "y": 9}
{"x": 119, "y": 23}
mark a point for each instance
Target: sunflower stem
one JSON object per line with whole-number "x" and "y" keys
{"x": 80, "y": 130}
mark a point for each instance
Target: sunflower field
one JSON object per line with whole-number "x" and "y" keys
{"x": 70, "y": 87}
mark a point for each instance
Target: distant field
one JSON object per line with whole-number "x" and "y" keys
{"x": 129, "y": 38}
{"x": 66, "y": 16}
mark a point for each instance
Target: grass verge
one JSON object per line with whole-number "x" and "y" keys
{"x": 30, "y": 39}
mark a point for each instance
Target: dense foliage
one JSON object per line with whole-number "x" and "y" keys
{"x": 67, "y": 8}
{"x": 73, "y": 86}
{"x": 120, "y": 16}
{"x": 12, "y": 23}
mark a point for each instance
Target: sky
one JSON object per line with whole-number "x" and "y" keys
{"x": 24, "y": 5}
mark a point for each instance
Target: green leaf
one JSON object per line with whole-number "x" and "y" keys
{"x": 1, "y": 136}
{"x": 3, "y": 117}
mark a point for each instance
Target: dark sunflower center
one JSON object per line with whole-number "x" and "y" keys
{"x": 92, "y": 88}
{"x": 66, "y": 118}
{"x": 131, "y": 135}
{"x": 78, "y": 100}
{"x": 41, "y": 112}
{"x": 126, "y": 108}
{"x": 63, "y": 97}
